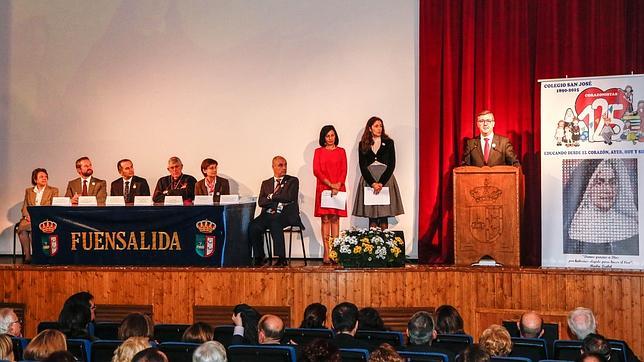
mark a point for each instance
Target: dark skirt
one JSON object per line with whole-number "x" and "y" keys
{"x": 395, "y": 206}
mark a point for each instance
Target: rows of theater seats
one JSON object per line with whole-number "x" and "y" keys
{"x": 168, "y": 337}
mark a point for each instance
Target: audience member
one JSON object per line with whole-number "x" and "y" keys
{"x": 345, "y": 322}
{"x": 448, "y": 320}
{"x": 211, "y": 351}
{"x": 370, "y": 320}
{"x": 74, "y": 320}
{"x": 496, "y": 341}
{"x": 314, "y": 316}
{"x": 9, "y": 323}
{"x": 199, "y": 332}
{"x": 270, "y": 329}
{"x": 6, "y": 348}
{"x": 130, "y": 347}
{"x": 596, "y": 343}
{"x": 385, "y": 353}
{"x": 591, "y": 357}
{"x": 581, "y": 322}
{"x": 61, "y": 356}
{"x": 44, "y": 344}
{"x": 421, "y": 333}
{"x": 85, "y": 299}
{"x": 530, "y": 325}
{"x": 245, "y": 319}
{"x": 474, "y": 354}
{"x": 320, "y": 350}
{"x": 136, "y": 325}
{"x": 151, "y": 354}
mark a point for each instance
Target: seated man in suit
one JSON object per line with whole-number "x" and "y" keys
{"x": 278, "y": 200}
{"x": 421, "y": 332}
{"x": 175, "y": 184}
{"x": 86, "y": 184}
{"x": 488, "y": 149}
{"x": 345, "y": 323}
{"x": 128, "y": 185}
{"x": 212, "y": 184}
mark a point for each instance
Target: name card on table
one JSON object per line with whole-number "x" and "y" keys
{"x": 203, "y": 200}
{"x": 173, "y": 201}
{"x": 87, "y": 201}
{"x": 61, "y": 201}
{"x": 228, "y": 199}
{"x": 382, "y": 198}
{"x": 115, "y": 201}
{"x": 143, "y": 201}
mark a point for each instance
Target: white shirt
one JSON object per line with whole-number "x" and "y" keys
{"x": 89, "y": 182}
{"x": 39, "y": 194}
{"x": 490, "y": 137}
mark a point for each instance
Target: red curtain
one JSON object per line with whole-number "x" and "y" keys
{"x": 490, "y": 54}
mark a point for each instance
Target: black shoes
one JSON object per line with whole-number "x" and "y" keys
{"x": 281, "y": 262}
{"x": 260, "y": 261}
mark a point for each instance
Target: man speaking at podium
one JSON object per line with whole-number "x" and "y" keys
{"x": 488, "y": 149}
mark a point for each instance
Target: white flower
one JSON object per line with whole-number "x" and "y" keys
{"x": 345, "y": 249}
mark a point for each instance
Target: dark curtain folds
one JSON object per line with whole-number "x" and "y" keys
{"x": 490, "y": 54}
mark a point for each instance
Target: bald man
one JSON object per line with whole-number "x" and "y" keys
{"x": 530, "y": 325}
{"x": 270, "y": 329}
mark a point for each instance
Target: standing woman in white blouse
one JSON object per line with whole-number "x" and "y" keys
{"x": 377, "y": 159}
{"x": 39, "y": 195}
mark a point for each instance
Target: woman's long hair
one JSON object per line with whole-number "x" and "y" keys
{"x": 367, "y": 138}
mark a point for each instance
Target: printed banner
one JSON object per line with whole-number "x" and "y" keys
{"x": 155, "y": 235}
{"x": 592, "y": 155}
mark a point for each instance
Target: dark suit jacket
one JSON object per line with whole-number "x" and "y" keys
{"x": 287, "y": 195}
{"x": 97, "y": 187}
{"x": 428, "y": 348}
{"x": 386, "y": 155}
{"x": 221, "y": 188}
{"x": 344, "y": 340}
{"x": 501, "y": 152}
{"x": 138, "y": 187}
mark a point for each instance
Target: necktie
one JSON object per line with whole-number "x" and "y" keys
{"x": 126, "y": 191}
{"x": 278, "y": 186}
{"x": 486, "y": 150}
{"x": 84, "y": 192}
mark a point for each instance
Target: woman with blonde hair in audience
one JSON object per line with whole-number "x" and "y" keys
{"x": 199, "y": 332}
{"x": 496, "y": 341}
{"x": 44, "y": 344}
{"x": 129, "y": 348}
{"x": 6, "y": 348}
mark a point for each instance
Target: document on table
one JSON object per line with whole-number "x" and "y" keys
{"x": 382, "y": 198}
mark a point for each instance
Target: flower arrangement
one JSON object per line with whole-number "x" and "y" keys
{"x": 371, "y": 247}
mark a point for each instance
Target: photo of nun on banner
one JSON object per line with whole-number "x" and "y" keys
{"x": 600, "y": 207}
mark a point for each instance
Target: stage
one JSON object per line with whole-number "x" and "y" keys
{"x": 482, "y": 295}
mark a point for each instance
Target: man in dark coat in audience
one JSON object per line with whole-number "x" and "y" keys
{"x": 421, "y": 333}
{"x": 345, "y": 323}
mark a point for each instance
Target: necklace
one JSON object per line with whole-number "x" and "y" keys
{"x": 176, "y": 185}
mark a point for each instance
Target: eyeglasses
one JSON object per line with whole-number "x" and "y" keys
{"x": 482, "y": 121}
{"x": 19, "y": 321}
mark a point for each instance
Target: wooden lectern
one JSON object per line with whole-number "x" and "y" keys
{"x": 487, "y": 214}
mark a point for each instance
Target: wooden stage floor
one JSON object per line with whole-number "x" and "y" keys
{"x": 482, "y": 295}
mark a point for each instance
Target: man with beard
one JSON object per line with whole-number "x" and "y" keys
{"x": 86, "y": 184}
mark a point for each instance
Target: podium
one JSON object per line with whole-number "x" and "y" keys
{"x": 487, "y": 214}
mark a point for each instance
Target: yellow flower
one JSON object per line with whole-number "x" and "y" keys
{"x": 357, "y": 249}
{"x": 368, "y": 248}
{"x": 364, "y": 240}
{"x": 395, "y": 250}
{"x": 333, "y": 255}
{"x": 398, "y": 240}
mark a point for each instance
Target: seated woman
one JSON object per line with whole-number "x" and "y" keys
{"x": 136, "y": 325}
{"x": 314, "y": 316}
{"x": 40, "y": 194}
{"x": 6, "y": 348}
{"x": 74, "y": 320}
{"x": 199, "y": 332}
{"x": 44, "y": 344}
{"x": 369, "y": 320}
{"x": 448, "y": 320}
{"x": 129, "y": 348}
{"x": 496, "y": 341}
{"x": 212, "y": 184}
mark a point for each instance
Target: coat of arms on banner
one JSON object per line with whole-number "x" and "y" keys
{"x": 204, "y": 240}
{"x": 486, "y": 221}
{"x": 49, "y": 241}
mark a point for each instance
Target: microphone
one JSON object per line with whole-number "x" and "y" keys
{"x": 468, "y": 153}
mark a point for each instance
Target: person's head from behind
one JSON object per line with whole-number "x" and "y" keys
{"x": 596, "y": 343}
{"x": 250, "y": 318}
{"x": 9, "y": 322}
{"x": 345, "y": 318}
{"x": 85, "y": 299}
{"x": 136, "y": 325}
{"x": 369, "y": 320}
{"x": 211, "y": 351}
{"x": 270, "y": 329}
{"x": 581, "y": 322}
{"x": 496, "y": 341}
{"x": 474, "y": 354}
{"x": 6, "y": 347}
{"x": 591, "y": 357}
{"x": 530, "y": 325}
{"x": 199, "y": 332}
{"x": 129, "y": 348}
{"x": 385, "y": 353}
{"x": 60, "y": 356}
{"x": 314, "y": 316}
{"x": 74, "y": 318}
{"x": 44, "y": 344}
{"x": 448, "y": 320}
{"x": 420, "y": 329}
{"x": 150, "y": 354}
{"x": 321, "y": 350}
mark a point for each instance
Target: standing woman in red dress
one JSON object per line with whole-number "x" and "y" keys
{"x": 330, "y": 170}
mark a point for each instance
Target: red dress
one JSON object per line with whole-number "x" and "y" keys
{"x": 330, "y": 165}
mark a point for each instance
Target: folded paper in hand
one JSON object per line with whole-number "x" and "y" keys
{"x": 382, "y": 198}
{"x": 338, "y": 201}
